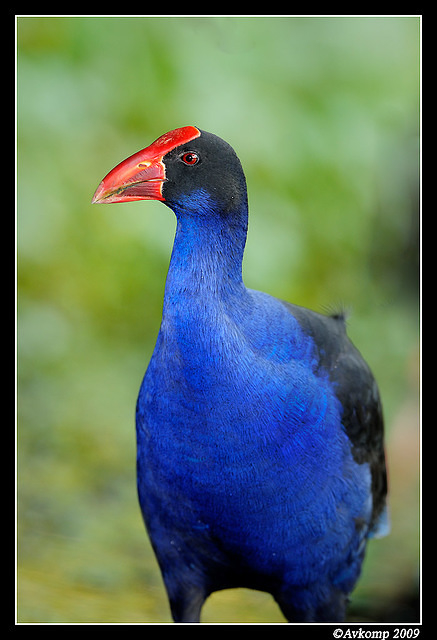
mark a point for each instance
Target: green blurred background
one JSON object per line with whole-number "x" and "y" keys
{"x": 324, "y": 115}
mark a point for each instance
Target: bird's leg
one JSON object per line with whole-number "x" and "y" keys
{"x": 330, "y": 608}
{"x": 186, "y": 605}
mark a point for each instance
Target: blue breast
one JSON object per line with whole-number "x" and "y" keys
{"x": 242, "y": 432}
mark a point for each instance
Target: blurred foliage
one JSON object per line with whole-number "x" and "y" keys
{"x": 323, "y": 113}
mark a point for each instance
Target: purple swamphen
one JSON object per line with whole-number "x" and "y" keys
{"x": 260, "y": 452}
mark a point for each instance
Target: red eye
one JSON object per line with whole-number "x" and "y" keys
{"x": 190, "y": 158}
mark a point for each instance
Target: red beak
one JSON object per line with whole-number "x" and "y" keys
{"x": 141, "y": 176}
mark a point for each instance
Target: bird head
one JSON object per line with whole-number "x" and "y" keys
{"x": 182, "y": 168}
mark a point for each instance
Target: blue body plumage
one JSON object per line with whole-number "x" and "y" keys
{"x": 260, "y": 456}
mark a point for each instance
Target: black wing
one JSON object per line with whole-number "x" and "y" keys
{"x": 358, "y": 394}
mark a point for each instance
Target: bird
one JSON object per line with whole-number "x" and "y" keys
{"x": 259, "y": 425}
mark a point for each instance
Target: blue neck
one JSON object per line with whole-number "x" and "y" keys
{"x": 206, "y": 261}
